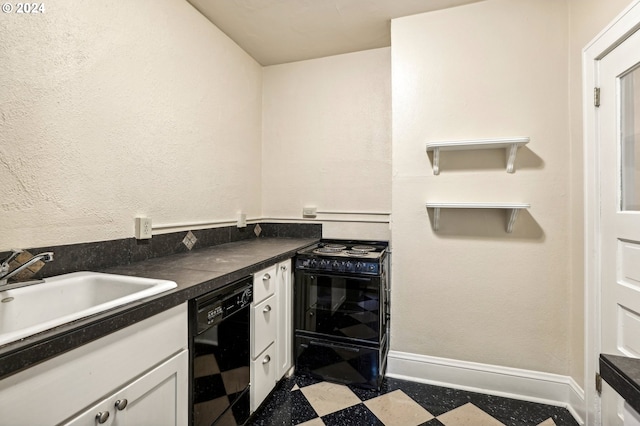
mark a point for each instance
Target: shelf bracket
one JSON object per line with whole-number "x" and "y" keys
{"x": 436, "y": 162}
{"x": 513, "y": 215}
{"x": 436, "y": 218}
{"x": 511, "y": 159}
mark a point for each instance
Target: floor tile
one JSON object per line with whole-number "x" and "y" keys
{"x": 433, "y": 422}
{"x": 284, "y": 407}
{"x": 356, "y": 415}
{"x": 468, "y": 414}
{"x": 397, "y": 409}
{"x": 327, "y": 397}
{"x": 315, "y": 422}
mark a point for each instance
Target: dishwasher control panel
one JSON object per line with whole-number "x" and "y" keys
{"x": 216, "y": 306}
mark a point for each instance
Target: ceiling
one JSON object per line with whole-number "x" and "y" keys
{"x": 280, "y": 31}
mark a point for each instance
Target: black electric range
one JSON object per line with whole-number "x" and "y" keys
{"x": 342, "y": 311}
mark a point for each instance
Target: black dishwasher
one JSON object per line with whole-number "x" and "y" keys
{"x": 219, "y": 355}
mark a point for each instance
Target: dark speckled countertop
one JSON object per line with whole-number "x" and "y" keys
{"x": 623, "y": 375}
{"x": 196, "y": 273}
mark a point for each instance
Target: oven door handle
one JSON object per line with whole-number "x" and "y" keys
{"x": 334, "y": 346}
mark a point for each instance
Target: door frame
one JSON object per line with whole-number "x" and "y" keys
{"x": 613, "y": 35}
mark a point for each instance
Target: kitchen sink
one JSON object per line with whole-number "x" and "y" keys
{"x": 58, "y": 300}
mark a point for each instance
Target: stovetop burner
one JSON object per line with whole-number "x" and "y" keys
{"x": 329, "y": 249}
{"x": 361, "y": 253}
{"x": 336, "y": 247}
{"x": 363, "y": 248}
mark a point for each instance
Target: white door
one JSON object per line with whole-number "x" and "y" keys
{"x": 619, "y": 145}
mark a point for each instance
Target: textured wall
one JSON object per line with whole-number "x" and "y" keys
{"x": 327, "y": 140}
{"x": 471, "y": 291}
{"x": 118, "y": 108}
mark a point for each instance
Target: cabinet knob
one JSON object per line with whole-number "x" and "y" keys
{"x": 264, "y": 361}
{"x": 266, "y": 277}
{"x": 267, "y": 309}
{"x": 102, "y": 416}
{"x": 121, "y": 404}
{"x": 283, "y": 267}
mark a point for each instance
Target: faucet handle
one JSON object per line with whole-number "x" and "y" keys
{"x": 14, "y": 253}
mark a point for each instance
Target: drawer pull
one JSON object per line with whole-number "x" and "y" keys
{"x": 266, "y": 360}
{"x": 121, "y": 404}
{"x": 266, "y": 277}
{"x": 267, "y": 309}
{"x": 102, "y": 416}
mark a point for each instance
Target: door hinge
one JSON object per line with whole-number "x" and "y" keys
{"x": 596, "y": 96}
{"x": 598, "y": 383}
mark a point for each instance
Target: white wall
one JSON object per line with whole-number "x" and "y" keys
{"x": 116, "y": 109}
{"x": 471, "y": 291}
{"x": 327, "y": 141}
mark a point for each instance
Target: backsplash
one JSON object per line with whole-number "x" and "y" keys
{"x": 95, "y": 256}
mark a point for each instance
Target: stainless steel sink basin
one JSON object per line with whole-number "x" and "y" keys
{"x": 58, "y": 300}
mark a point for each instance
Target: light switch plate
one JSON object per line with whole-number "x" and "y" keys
{"x": 143, "y": 228}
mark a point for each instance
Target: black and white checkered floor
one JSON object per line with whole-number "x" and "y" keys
{"x": 304, "y": 401}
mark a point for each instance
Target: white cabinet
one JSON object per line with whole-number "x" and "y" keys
{"x": 147, "y": 359}
{"x": 271, "y": 329}
{"x": 153, "y": 399}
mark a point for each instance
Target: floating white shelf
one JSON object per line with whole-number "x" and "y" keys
{"x": 513, "y": 208}
{"x": 510, "y": 145}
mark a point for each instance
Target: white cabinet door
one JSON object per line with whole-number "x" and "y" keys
{"x": 158, "y": 398}
{"x": 263, "y": 325}
{"x": 284, "y": 335}
{"x": 263, "y": 377}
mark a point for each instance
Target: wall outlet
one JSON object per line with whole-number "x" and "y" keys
{"x": 242, "y": 220}
{"x": 143, "y": 228}
{"x": 309, "y": 211}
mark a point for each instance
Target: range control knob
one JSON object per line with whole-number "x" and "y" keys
{"x": 348, "y": 266}
{"x": 335, "y": 265}
{"x": 359, "y": 266}
{"x": 313, "y": 263}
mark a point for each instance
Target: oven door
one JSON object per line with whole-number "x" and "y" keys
{"x": 339, "y": 306}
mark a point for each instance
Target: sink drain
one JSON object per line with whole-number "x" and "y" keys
{"x": 6, "y": 300}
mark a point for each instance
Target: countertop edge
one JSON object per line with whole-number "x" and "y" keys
{"x": 614, "y": 374}
{"x": 21, "y": 355}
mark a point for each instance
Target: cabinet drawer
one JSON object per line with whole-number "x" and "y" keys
{"x": 263, "y": 325}
{"x": 263, "y": 377}
{"x": 264, "y": 283}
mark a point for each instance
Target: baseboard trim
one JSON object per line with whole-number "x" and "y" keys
{"x": 527, "y": 385}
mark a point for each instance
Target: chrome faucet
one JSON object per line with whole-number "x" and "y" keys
{"x": 4, "y": 266}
